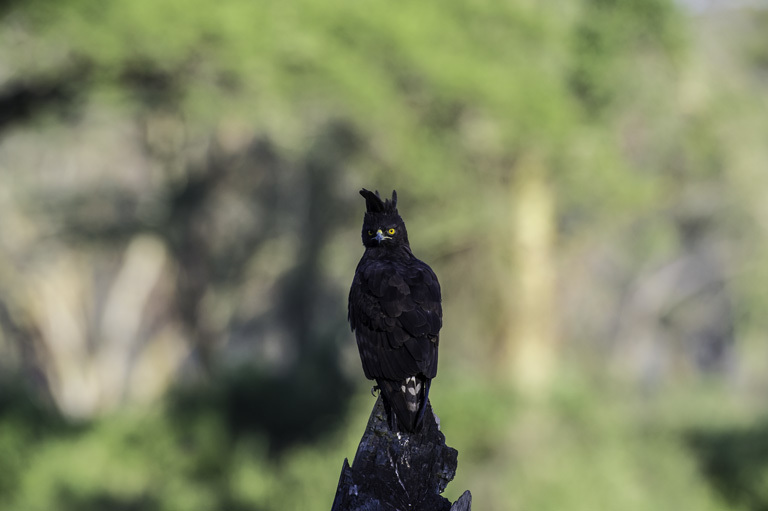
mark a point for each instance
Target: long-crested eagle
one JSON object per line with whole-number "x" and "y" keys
{"x": 395, "y": 313}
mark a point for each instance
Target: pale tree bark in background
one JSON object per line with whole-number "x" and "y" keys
{"x": 530, "y": 343}
{"x": 99, "y": 348}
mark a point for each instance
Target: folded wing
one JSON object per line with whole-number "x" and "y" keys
{"x": 396, "y": 314}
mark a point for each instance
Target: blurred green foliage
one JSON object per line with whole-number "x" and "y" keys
{"x": 180, "y": 226}
{"x": 584, "y": 449}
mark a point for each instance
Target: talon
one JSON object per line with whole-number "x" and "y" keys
{"x": 374, "y": 389}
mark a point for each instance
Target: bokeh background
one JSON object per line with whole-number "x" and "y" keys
{"x": 179, "y": 225}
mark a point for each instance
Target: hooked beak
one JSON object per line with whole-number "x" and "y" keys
{"x": 380, "y": 236}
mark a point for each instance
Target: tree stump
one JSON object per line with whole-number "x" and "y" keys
{"x": 399, "y": 471}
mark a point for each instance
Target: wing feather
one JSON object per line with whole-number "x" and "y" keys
{"x": 396, "y": 313}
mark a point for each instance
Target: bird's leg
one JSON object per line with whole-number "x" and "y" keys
{"x": 374, "y": 389}
{"x": 393, "y": 421}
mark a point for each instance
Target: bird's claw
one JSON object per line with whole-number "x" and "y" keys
{"x": 374, "y": 389}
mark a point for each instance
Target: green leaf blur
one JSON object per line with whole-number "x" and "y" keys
{"x": 180, "y": 226}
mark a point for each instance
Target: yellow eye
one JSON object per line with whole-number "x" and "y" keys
{"x": 391, "y": 231}
{"x": 370, "y": 233}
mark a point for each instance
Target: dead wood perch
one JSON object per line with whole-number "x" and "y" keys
{"x": 398, "y": 471}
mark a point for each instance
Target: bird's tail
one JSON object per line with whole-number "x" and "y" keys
{"x": 405, "y": 401}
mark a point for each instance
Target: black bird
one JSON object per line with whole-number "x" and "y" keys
{"x": 395, "y": 312}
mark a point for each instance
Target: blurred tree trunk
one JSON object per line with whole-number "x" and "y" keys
{"x": 530, "y": 339}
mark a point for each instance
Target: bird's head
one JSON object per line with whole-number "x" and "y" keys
{"x": 382, "y": 225}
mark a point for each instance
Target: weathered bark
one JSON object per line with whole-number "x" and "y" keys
{"x": 397, "y": 471}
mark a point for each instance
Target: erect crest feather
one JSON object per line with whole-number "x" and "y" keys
{"x": 374, "y": 204}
